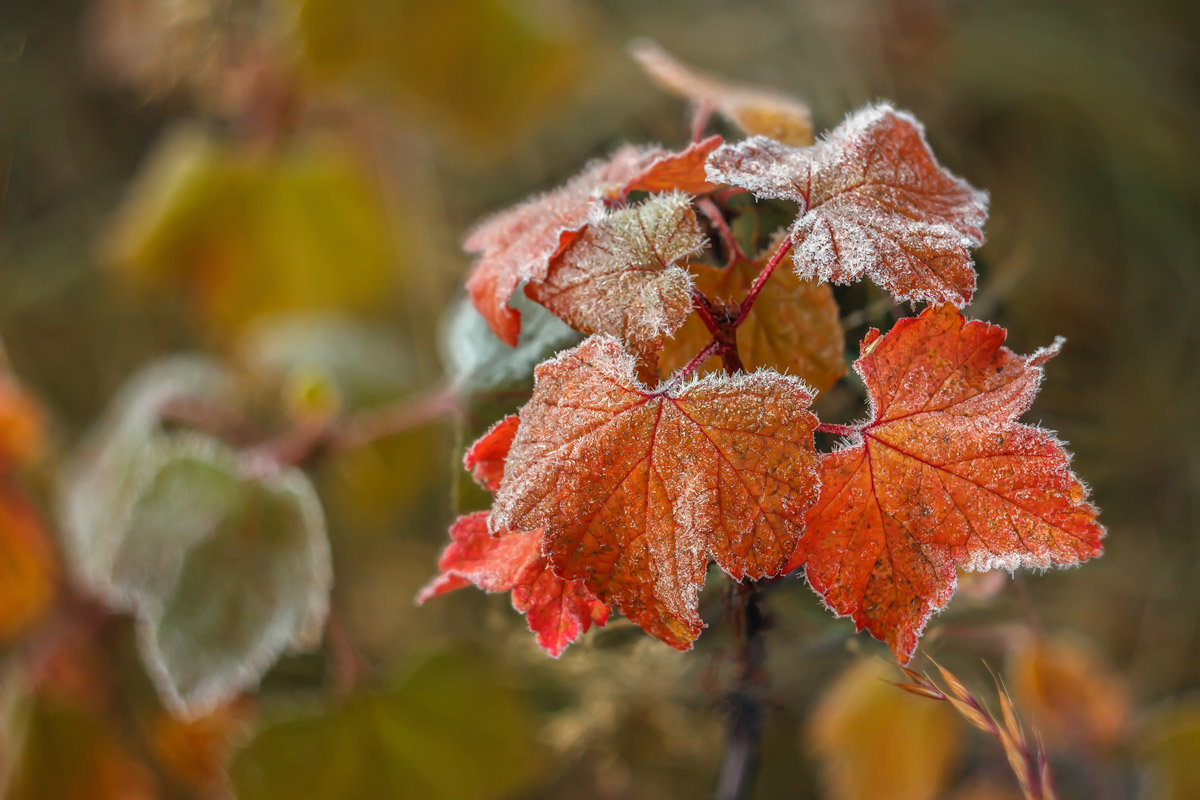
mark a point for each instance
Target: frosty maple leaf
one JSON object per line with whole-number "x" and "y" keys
{"x": 517, "y": 245}
{"x": 942, "y": 475}
{"x": 558, "y": 611}
{"x": 636, "y": 488}
{"x": 619, "y": 276}
{"x": 754, "y": 110}
{"x": 793, "y": 325}
{"x": 873, "y": 201}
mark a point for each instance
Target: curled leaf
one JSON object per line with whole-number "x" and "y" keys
{"x": 754, "y": 110}
{"x": 557, "y": 610}
{"x": 941, "y": 476}
{"x": 635, "y": 489}
{"x": 873, "y": 201}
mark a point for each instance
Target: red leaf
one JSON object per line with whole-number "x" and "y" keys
{"x": 485, "y": 458}
{"x": 557, "y": 610}
{"x": 636, "y": 488}
{"x": 682, "y": 171}
{"x": 517, "y": 244}
{"x": 941, "y": 476}
{"x": 873, "y": 201}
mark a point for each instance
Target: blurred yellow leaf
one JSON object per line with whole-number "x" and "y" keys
{"x": 20, "y": 424}
{"x": 873, "y": 740}
{"x": 488, "y": 67}
{"x": 1170, "y": 744}
{"x": 245, "y": 234}
{"x": 754, "y": 110}
{"x": 1072, "y": 698}
{"x": 452, "y": 729}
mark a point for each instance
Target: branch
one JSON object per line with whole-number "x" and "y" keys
{"x": 761, "y": 280}
{"x": 744, "y": 701}
{"x": 733, "y": 250}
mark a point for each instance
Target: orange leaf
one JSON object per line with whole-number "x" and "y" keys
{"x": 20, "y": 424}
{"x": 557, "y": 610}
{"x": 873, "y": 201}
{"x": 636, "y": 488}
{"x": 518, "y": 244}
{"x": 485, "y": 458}
{"x": 941, "y": 476}
{"x": 28, "y": 572}
{"x": 754, "y": 110}
{"x": 619, "y": 276}
{"x": 793, "y": 326}
{"x": 682, "y": 171}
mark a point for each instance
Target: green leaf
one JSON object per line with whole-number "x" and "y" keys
{"x": 479, "y": 363}
{"x": 224, "y": 567}
{"x": 450, "y": 730}
{"x": 99, "y": 474}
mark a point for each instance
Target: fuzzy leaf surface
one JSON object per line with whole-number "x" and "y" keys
{"x": 558, "y": 611}
{"x": 517, "y": 245}
{"x": 620, "y": 276}
{"x": 941, "y": 475}
{"x": 793, "y": 326}
{"x": 635, "y": 489}
{"x": 683, "y": 171}
{"x": 873, "y": 201}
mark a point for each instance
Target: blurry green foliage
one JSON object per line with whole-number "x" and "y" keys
{"x": 451, "y": 729}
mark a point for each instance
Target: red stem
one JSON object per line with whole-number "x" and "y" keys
{"x": 761, "y": 280}
{"x": 704, "y": 310}
{"x": 709, "y": 209}
{"x": 838, "y": 430}
{"x": 710, "y": 349}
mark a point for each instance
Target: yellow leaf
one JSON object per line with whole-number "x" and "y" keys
{"x": 873, "y": 740}
{"x": 1073, "y": 699}
{"x": 28, "y": 572}
{"x": 241, "y": 235}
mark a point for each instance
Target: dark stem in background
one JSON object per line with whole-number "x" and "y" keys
{"x": 744, "y": 701}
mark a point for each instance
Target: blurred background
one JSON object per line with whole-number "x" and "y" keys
{"x": 283, "y": 185}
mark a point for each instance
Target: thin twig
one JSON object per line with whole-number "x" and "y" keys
{"x": 700, "y": 116}
{"x": 744, "y": 701}
{"x": 761, "y": 280}
{"x": 733, "y": 250}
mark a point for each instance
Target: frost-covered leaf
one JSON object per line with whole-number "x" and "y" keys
{"x": 517, "y": 245}
{"x": 873, "y": 201}
{"x": 941, "y": 475}
{"x": 557, "y": 610}
{"x": 620, "y": 277}
{"x": 793, "y": 326}
{"x": 635, "y": 489}
{"x": 98, "y": 475}
{"x": 754, "y": 110}
{"x": 225, "y": 569}
{"x": 872, "y": 740}
{"x": 452, "y": 730}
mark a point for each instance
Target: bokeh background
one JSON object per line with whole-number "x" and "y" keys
{"x": 283, "y": 184}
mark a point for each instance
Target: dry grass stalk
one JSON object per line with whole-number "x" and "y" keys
{"x": 1028, "y": 764}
